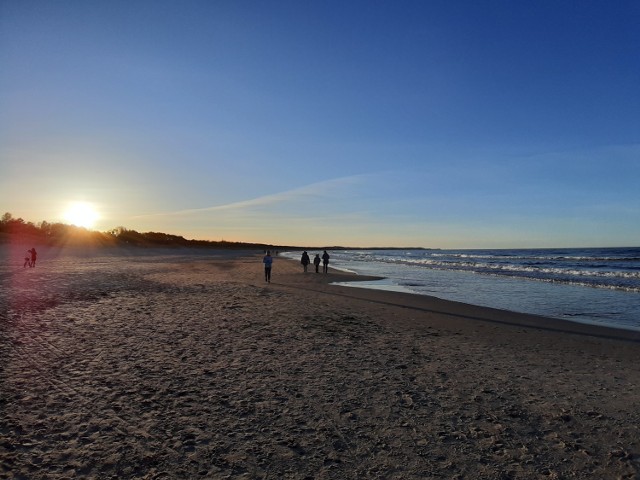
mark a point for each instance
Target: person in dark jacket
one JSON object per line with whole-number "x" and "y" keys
{"x": 268, "y": 261}
{"x": 305, "y": 261}
{"x": 325, "y": 262}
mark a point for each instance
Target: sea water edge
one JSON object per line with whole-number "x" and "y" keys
{"x": 599, "y": 286}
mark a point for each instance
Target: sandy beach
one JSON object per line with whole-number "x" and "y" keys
{"x": 191, "y": 366}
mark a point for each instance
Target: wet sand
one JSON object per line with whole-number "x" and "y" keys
{"x": 182, "y": 365}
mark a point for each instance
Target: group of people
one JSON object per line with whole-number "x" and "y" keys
{"x": 306, "y": 261}
{"x": 30, "y": 258}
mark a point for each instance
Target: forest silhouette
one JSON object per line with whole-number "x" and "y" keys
{"x": 17, "y": 230}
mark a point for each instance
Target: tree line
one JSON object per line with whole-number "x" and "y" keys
{"x": 58, "y": 234}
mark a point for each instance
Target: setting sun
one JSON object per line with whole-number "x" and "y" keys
{"x": 81, "y": 214}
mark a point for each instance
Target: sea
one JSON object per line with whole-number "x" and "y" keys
{"x": 599, "y": 286}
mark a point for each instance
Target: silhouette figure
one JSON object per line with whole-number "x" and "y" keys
{"x": 34, "y": 255}
{"x": 305, "y": 261}
{"x": 325, "y": 262}
{"x": 316, "y": 262}
{"x": 27, "y": 259}
{"x": 267, "y": 260}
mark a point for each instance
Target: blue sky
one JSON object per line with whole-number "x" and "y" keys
{"x": 444, "y": 124}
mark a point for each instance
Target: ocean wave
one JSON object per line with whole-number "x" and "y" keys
{"x": 605, "y": 286}
{"x": 538, "y": 257}
{"x": 531, "y": 268}
{"x": 561, "y": 271}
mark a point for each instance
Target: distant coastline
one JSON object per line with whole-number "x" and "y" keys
{"x": 16, "y": 230}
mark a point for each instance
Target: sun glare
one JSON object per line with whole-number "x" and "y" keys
{"x": 81, "y": 214}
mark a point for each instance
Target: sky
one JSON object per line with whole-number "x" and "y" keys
{"x": 438, "y": 124}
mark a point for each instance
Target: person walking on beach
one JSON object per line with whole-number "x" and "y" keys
{"x": 316, "y": 262}
{"x": 27, "y": 259}
{"x": 34, "y": 255}
{"x": 267, "y": 260}
{"x": 325, "y": 262}
{"x": 305, "y": 261}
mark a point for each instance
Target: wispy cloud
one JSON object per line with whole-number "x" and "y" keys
{"x": 326, "y": 190}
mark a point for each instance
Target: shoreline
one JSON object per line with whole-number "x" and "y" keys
{"x": 172, "y": 366}
{"x": 627, "y": 324}
{"x": 427, "y": 303}
{"x": 528, "y": 319}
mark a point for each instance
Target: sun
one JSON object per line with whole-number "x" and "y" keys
{"x": 81, "y": 214}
